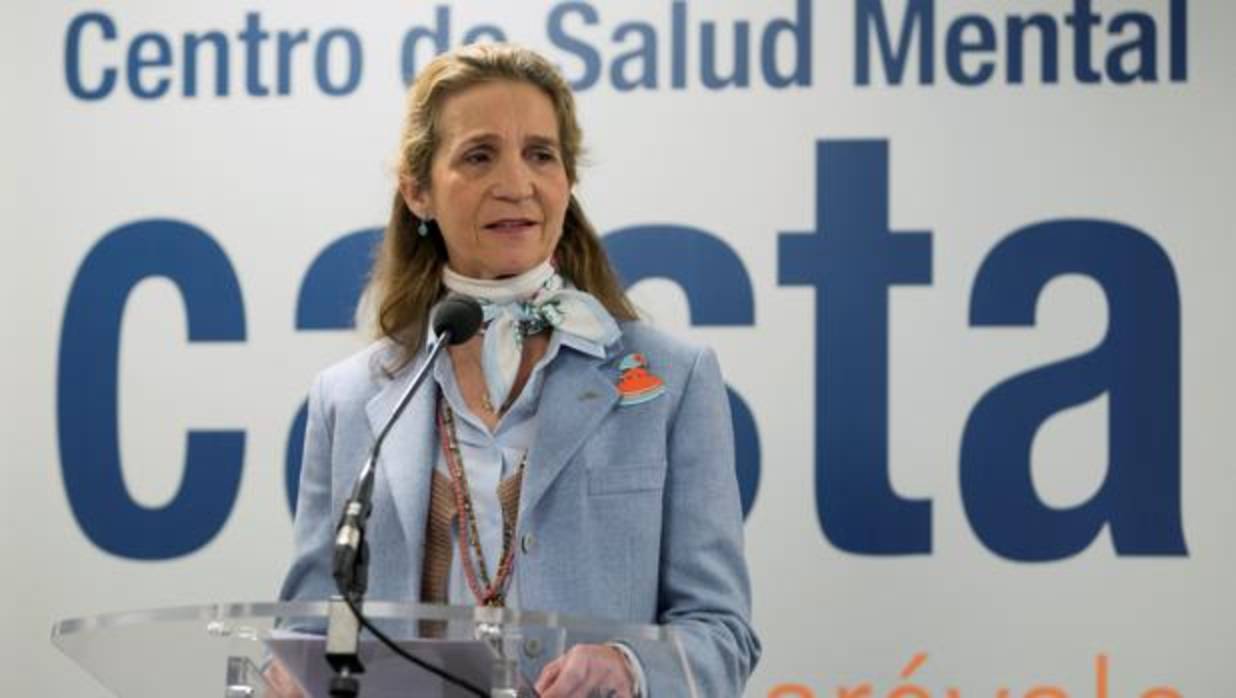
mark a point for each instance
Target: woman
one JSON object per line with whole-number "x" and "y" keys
{"x": 591, "y": 455}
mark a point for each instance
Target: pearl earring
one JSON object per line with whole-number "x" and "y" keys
{"x": 423, "y": 229}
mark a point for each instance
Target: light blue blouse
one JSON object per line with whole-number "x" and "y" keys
{"x": 489, "y": 457}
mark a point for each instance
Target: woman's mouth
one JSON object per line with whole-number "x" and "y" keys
{"x": 511, "y": 225}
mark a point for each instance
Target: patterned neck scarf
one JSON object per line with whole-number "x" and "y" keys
{"x": 524, "y": 305}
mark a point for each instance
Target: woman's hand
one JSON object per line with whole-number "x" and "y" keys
{"x": 587, "y": 671}
{"x": 281, "y": 682}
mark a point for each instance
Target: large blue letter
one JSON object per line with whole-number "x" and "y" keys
{"x": 73, "y": 56}
{"x": 1137, "y": 365}
{"x": 558, "y": 37}
{"x": 355, "y": 62}
{"x": 718, "y": 291}
{"x": 86, "y": 386}
{"x": 327, "y": 300}
{"x": 869, "y": 19}
{"x": 852, "y": 260}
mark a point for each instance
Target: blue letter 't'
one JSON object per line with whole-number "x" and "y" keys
{"x": 852, "y": 260}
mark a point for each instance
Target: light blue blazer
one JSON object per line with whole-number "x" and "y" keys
{"x": 628, "y": 512}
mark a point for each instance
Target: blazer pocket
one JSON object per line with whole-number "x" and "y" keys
{"x": 623, "y": 479}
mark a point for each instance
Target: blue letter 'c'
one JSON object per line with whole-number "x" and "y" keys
{"x": 87, "y": 381}
{"x": 73, "y": 56}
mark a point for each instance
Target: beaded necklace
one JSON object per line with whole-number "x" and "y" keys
{"x": 487, "y": 593}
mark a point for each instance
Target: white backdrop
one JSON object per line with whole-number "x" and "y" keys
{"x": 273, "y": 179}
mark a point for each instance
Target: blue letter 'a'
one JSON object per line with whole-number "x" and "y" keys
{"x": 86, "y": 409}
{"x": 852, "y": 260}
{"x": 1137, "y": 364}
{"x": 718, "y": 291}
{"x": 327, "y": 300}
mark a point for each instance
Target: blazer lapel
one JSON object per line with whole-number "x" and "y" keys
{"x": 407, "y": 458}
{"x": 575, "y": 398}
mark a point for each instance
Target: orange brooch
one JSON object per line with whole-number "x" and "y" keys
{"x": 637, "y": 384}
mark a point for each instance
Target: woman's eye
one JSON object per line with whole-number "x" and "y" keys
{"x": 476, "y": 157}
{"x": 544, "y": 155}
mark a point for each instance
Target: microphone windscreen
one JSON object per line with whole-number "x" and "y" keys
{"x": 459, "y": 315}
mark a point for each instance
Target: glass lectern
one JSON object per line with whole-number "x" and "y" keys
{"x": 222, "y": 650}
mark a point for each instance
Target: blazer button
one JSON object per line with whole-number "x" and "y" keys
{"x": 527, "y": 543}
{"x": 532, "y": 648}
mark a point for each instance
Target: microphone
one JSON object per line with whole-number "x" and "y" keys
{"x": 458, "y": 318}
{"x": 454, "y": 320}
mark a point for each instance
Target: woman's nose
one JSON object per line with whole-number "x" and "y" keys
{"x": 513, "y": 180}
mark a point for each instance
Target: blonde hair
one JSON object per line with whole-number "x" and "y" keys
{"x": 406, "y": 280}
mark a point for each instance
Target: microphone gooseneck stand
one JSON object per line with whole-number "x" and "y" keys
{"x": 456, "y": 320}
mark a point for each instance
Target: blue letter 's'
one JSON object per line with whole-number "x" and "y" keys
{"x": 718, "y": 291}
{"x": 73, "y": 56}
{"x": 852, "y": 260}
{"x": 86, "y": 391}
{"x": 1137, "y": 364}
{"x": 568, "y": 43}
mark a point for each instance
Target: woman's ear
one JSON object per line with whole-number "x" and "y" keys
{"x": 415, "y": 197}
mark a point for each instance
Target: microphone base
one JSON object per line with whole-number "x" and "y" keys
{"x": 342, "y": 639}
{"x": 344, "y": 686}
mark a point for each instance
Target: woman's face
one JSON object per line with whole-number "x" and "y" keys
{"x": 498, "y": 188}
